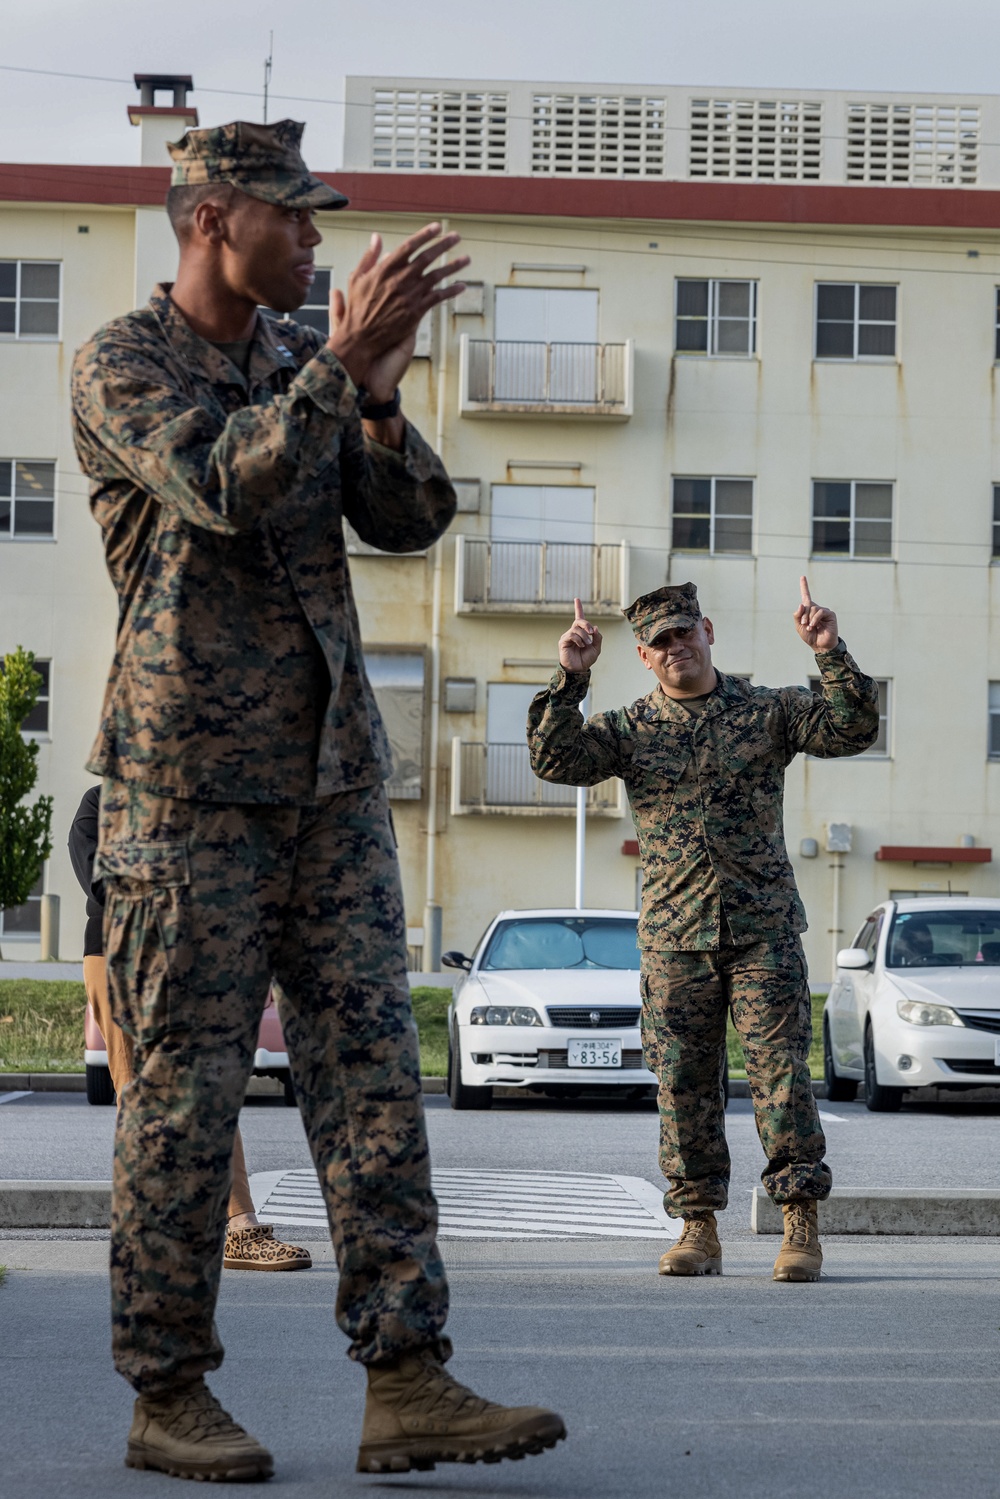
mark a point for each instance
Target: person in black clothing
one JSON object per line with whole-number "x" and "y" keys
{"x": 249, "y": 1245}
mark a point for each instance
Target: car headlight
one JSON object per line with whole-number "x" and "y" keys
{"x": 919, "y": 1013}
{"x": 505, "y": 1015}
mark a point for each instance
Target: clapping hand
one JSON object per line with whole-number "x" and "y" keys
{"x": 580, "y": 647}
{"x": 816, "y": 625}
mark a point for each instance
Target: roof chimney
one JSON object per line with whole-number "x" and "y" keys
{"x": 160, "y": 123}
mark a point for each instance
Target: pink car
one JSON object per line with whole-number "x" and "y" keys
{"x": 269, "y": 1060}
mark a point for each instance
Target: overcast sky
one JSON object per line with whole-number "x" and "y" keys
{"x": 919, "y": 45}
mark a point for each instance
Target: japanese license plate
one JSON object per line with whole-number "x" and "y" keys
{"x": 593, "y": 1052}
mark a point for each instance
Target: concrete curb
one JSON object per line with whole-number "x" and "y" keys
{"x": 970, "y": 1212}
{"x": 55, "y": 1204}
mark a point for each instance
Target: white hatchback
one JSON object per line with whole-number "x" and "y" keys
{"x": 915, "y": 1002}
{"x": 549, "y": 1002}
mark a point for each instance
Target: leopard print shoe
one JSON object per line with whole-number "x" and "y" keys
{"x": 257, "y": 1249}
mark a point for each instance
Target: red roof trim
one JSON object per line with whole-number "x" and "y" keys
{"x": 630, "y": 848}
{"x": 903, "y": 854}
{"x": 548, "y": 197}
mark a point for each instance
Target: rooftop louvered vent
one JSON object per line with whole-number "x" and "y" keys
{"x": 440, "y": 130}
{"x": 922, "y": 143}
{"x": 598, "y": 135}
{"x": 762, "y": 140}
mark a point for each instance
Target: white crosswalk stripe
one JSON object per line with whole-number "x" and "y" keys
{"x": 498, "y": 1204}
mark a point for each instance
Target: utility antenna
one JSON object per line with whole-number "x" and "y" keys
{"x": 267, "y": 70}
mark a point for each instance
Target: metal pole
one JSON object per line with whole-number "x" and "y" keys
{"x": 267, "y": 70}
{"x": 581, "y": 826}
{"x": 432, "y": 910}
{"x": 837, "y": 866}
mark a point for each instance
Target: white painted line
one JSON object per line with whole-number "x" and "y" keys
{"x": 833, "y": 1118}
{"x": 13, "y": 1097}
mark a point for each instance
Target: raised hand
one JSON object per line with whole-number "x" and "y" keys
{"x": 581, "y": 645}
{"x": 373, "y": 328}
{"x": 816, "y": 625}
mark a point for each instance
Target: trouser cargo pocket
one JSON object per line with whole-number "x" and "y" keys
{"x": 146, "y": 935}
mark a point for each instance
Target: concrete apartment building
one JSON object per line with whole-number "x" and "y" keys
{"x": 711, "y": 336}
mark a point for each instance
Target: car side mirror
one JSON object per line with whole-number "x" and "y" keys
{"x": 455, "y": 960}
{"x": 853, "y": 957}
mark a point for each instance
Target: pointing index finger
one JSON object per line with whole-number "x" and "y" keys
{"x": 577, "y": 610}
{"x": 804, "y": 587}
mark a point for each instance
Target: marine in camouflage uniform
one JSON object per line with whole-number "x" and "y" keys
{"x": 245, "y": 832}
{"x": 721, "y": 915}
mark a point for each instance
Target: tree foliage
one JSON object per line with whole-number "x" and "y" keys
{"x": 25, "y": 831}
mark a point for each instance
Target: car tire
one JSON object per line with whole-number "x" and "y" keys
{"x": 838, "y": 1089}
{"x": 291, "y": 1101}
{"x": 460, "y": 1095}
{"x": 878, "y": 1100}
{"x": 100, "y": 1089}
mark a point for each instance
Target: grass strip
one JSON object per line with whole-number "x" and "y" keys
{"x": 41, "y": 1028}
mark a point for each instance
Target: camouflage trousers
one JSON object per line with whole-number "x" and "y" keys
{"x": 205, "y": 905}
{"x": 685, "y": 1000}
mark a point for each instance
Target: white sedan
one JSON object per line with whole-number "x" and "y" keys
{"x": 549, "y": 1001}
{"x": 915, "y": 1002}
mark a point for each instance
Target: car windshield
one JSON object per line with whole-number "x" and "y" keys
{"x": 563, "y": 942}
{"x": 944, "y": 939}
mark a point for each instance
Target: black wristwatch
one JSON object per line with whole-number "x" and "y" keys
{"x": 378, "y": 411}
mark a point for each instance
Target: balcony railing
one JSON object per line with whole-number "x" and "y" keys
{"x": 517, "y": 378}
{"x": 498, "y": 778}
{"x": 540, "y": 577}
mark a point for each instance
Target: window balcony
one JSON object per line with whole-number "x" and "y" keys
{"x": 546, "y": 379}
{"x": 540, "y": 577}
{"x": 498, "y": 779}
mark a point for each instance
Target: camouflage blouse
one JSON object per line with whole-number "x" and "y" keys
{"x": 706, "y": 791}
{"x": 238, "y": 673}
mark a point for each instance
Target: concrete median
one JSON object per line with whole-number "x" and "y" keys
{"x": 55, "y": 1204}
{"x": 964, "y": 1211}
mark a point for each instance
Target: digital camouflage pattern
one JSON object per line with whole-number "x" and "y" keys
{"x": 669, "y": 608}
{"x": 706, "y": 790}
{"x": 264, "y": 161}
{"x": 238, "y": 673}
{"x": 204, "y": 904}
{"x": 685, "y": 999}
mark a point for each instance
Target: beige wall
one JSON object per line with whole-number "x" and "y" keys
{"x": 926, "y": 619}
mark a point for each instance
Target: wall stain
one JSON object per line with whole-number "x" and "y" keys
{"x": 671, "y": 393}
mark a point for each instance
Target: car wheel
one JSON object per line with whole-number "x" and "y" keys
{"x": 460, "y": 1094}
{"x": 878, "y": 1100}
{"x": 838, "y": 1089}
{"x": 289, "y": 1087}
{"x": 99, "y": 1086}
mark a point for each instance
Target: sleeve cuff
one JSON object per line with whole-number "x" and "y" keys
{"x": 570, "y": 686}
{"x": 415, "y": 456}
{"x": 328, "y": 385}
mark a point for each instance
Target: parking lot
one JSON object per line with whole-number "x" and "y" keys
{"x": 883, "y": 1378}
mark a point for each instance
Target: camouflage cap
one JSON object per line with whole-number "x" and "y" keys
{"x": 670, "y": 608}
{"x": 263, "y": 161}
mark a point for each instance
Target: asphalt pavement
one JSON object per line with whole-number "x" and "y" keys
{"x": 883, "y": 1378}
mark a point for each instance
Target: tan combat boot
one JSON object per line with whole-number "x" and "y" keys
{"x": 187, "y": 1434}
{"x": 697, "y": 1251}
{"x": 416, "y": 1415}
{"x": 800, "y": 1256}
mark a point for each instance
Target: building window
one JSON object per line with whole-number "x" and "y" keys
{"x": 996, "y": 520}
{"x": 315, "y": 310}
{"x": 713, "y": 515}
{"x": 37, "y": 721}
{"x": 717, "y": 318}
{"x": 996, "y": 350}
{"x": 29, "y": 298}
{"x": 880, "y": 749}
{"x": 24, "y": 921}
{"x": 855, "y": 321}
{"x": 851, "y": 519}
{"x": 27, "y": 499}
{"x": 397, "y": 680}
{"x": 994, "y": 721}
